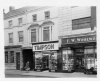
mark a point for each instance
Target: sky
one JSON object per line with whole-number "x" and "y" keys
{"x": 21, "y": 3}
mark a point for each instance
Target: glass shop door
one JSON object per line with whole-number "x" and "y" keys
{"x": 79, "y": 60}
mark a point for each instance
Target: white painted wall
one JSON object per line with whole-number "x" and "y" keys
{"x": 15, "y": 21}
{"x": 26, "y": 23}
{"x": 67, "y": 14}
{"x": 61, "y": 16}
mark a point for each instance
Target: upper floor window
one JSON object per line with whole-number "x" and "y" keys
{"x": 20, "y": 21}
{"x": 10, "y": 37}
{"x": 10, "y": 23}
{"x": 11, "y": 56}
{"x": 34, "y": 18}
{"x": 33, "y": 35}
{"x": 46, "y": 34}
{"x": 47, "y": 14}
{"x": 20, "y": 33}
{"x": 81, "y": 23}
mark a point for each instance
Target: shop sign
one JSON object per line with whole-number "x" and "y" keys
{"x": 81, "y": 39}
{"x": 45, "y": 47}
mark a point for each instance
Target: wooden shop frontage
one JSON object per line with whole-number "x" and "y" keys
{"x": 45, "y": 55}
{"x": 79, "y": 53}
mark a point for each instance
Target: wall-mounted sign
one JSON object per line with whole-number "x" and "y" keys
{"x": 45, "y": 47}
{"x": 82, "y": 39}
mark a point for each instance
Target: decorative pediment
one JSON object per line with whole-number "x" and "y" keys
{"x": 47, "y": 23}
{"x": 33, "y": 25}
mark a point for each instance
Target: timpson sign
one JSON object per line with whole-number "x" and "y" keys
{"x": 82, "y": 39}
{"x": 45, "y": 47}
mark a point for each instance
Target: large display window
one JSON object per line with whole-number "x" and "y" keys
{"x": 53, "y": 62}
{"x": 46, "y": 61}
{"x": 38, "y": 60}
{"x": 90, "y": 58}
{"x": 68, "y": 59}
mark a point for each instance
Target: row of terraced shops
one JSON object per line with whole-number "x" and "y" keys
{"x": 73, "y": 54}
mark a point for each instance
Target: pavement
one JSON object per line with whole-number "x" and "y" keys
{"x": 45, "y": 74}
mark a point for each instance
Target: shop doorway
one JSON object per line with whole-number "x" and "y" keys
{"x": 41, "y": 61}
{"x": 18, "y": 60}
{"x": 28, "y": 56}
{"x": 45, "y": 61}
{"x": 79, "y": 60}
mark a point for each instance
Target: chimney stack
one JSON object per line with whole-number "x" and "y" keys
{"x": 11, "y": 8}
{"x": 3, "y": 11}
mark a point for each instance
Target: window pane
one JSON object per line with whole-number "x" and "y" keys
{"x": 75, "y": 22}
{"x": 75, "y": 27}
{"x": 10, "y": 37}
{"x": 12, "y": 57}
{"x": 6, "y": 57}
{"x": 46, "y": 35}
{"x": 33, "y": 35}
{"x": 34, "y": 17}
{"x": 85, "y": 25}
{"x": 84, "y": 20}
{"x": 47, "y": 14}
{"x": 81, "y": 23}
{"x": 20, "y": 21}
{"x": 10, "y": 23}
{"x": 20, "y": 33}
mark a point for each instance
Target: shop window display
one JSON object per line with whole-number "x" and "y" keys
{"x": 68, "y": 60}
{"x": 90, "y": 59}
{"x": 41, "y": 61}
{"x": 53, "y": 62}
{"x": 38, "y": 61}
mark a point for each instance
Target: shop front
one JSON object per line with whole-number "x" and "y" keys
{"x": 45, "y": 55}
{"x": 79, "y": 54}
{"x": 13, "y": 57}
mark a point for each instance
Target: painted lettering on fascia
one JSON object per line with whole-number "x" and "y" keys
{"x": 73, "y": 40}
{"x": 44, "y": 47}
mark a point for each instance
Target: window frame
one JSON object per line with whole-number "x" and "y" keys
{"x": 35, "y": 31}
{"x": 20, "y": 21}
{"x": 47, "y": 14}
{"x": 10, "y": 23}
{"x": 81, "y": 22}
{"x": 21, "y": 37}
{"x": 12, "y": 57}
{"x": 34, "y": 17}
{"x": 10, "y": 38}
{"x": 46, "y": 30}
